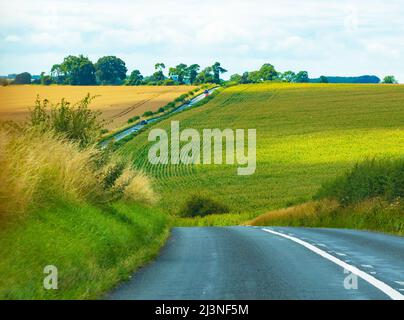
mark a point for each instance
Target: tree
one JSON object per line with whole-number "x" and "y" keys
{"x": 244, "y": 78}
{"x": 236, "y": 78}
{"x": 268, "y": 72}
{"x": 323, "y": 79}
{"x": 135, "y": 78}
{"x": 78, "y": 70}
{"x": 390, "y": 80}
{"x": 46, "y": 80}
{"x": 57, "y": 74}
{"x": 205, "y": 76}
{"x": 254, "y": 77}
{"x": 158, "y": 76}
{"x": 110, "y": 70}
{"x": 302, "y": 77}
{"x": 180, "y": 71}
{"x": 217, "y": 70}
{"x": 23, "y": 78}
{"x": 192, "y": 72}
{"x": 288, "y": 76}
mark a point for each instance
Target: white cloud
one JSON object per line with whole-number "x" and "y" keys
{"x": 241, "y": 34}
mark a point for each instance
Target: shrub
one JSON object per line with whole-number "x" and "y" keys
{"x": 160, "y": 110}
{"x": 4, "y": 82}
{"x": 202, "y": 205}
{"x": 371, "y": 178}
{"x": 75, "y": 122}
{"x": 133, "y": 119}
{"x": 147, "y": 114}
{"x": 170, "y": 105}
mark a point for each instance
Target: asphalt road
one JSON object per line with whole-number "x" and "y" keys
{"x": 280, "y": 263}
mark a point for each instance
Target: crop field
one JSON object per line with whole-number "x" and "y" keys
{"x": 117, "y": 103}
{"x": 306, "y": 134}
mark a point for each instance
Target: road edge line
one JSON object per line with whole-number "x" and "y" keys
{"x": 385, "y": 288}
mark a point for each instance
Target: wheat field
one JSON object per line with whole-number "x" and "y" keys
{"x": 117, "y": 103}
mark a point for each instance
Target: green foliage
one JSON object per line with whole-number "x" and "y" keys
{"x": 302, "y": 77}
{"x": 135, "y": 78}
{"x": 46, "y": 80}
{"x": 268, "y": 72}
{"x": 110, "y": 70}
{"x": 147, "y": 114}
{"x": 23, "y": 78}
{"x": 201, "y": 205}
{"x": 368, "y": 179}
{"x": 78, "y": 70}
{"x": 133, "y": 119}
{"x": 217, "y": 71}
{"x": 323, "y": 79}
{"x": 75, "y": 122}
{"x": 390, "y": 80}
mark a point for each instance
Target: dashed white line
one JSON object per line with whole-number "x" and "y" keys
{"x": 392, "y": 293}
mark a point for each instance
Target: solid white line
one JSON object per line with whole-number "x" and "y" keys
{"x": 392, "y": 293}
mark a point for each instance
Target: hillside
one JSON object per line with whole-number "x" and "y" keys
{"x": 306, "y": 134}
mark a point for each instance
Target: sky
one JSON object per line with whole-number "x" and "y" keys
{"x": 333, "y": 38}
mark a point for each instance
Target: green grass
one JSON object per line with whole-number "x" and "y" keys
{"x": 307, "y": 134}
{"x": 93, "y": 248}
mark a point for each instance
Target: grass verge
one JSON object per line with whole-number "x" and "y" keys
{"x": 92, "y": 248}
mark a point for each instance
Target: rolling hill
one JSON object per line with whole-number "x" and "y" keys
{"x": 306, "y": 134}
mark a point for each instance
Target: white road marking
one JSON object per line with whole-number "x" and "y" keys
{"x": 401, "y": 283}
{"x": 367, "y": 266}
{"x": 392, "y": 293}
{"x": 341, "y": 254}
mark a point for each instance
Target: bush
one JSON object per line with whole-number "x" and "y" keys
{"x": 147, "y": 114}
{"x": 75, "y": 122}
{"x": 4, "y": 82}
{"x": 133, "y": 119}
{"x": 202, "y": 205}
{"x": 160, "y": 110}
{"x": 170, "y": 105}
{"x": 369, "y": 179}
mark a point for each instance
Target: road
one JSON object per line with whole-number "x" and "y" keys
{"x": 271, "y": 263}
{"x": 138, "y": 126}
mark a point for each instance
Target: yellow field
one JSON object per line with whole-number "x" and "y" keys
{"x": 117, "y": 103}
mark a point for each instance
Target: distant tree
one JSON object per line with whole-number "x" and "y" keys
{"x": 390, "y": 80}
{"x": 57, "y": 74}
{"x": 135, "y": 78}
{"x": 254, "y": 77}
{"x": 236, "y": 78}
{"x": 323, "y": 79}
{"x": 192, "y": 72}
{"x": 268, "y": 72}
{"x": 180, "y": 71}
{"x": 23, "y": 78}
{"x": 158, "y": 76}
{"x": 110, "y": 70}
{"x": 244, "y": 78}
{"x": 205, "y": 76}
{"x": 45, "y": 80}
{"x": 159, "y": 66}
{"x": 78, "y": 70}
{"x": 302, "y": 77}
{"x": 217, "y": 70}
{"x": 288, "y": 76}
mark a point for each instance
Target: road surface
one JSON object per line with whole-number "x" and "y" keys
{"x": 271, "y": 263}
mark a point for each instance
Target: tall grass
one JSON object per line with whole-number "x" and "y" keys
{"x": 39, "y": 168}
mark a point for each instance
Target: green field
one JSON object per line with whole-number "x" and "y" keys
{"x": 306, "y": 134}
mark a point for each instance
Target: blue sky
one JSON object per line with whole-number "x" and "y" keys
{"x": 323, "y": 37}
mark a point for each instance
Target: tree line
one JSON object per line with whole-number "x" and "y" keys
{"x": 111, "y": 70}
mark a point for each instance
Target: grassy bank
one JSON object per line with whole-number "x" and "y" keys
{"x": 68, "y": 204}
{"x": 369, "y": 196}
{"x": 93, "y": 249}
